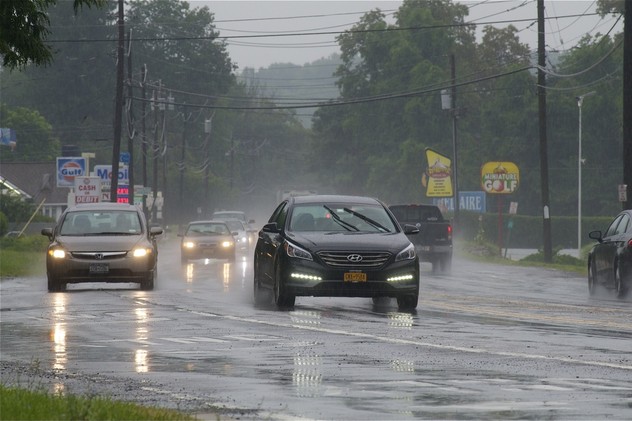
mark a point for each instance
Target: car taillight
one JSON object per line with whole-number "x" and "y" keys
{"x": 630, "y": 243}
{"x": 450, "y": 232}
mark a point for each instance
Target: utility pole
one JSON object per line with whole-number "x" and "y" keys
{"x": 144, "y": 136}
{"x": 118, "y": 111}
{"x": 544, "y": 160}
{"x": 185, "y": 120}
{"x": 130, "y": 136}
{"x": 454, "y": 143}
{"x": 627, "y": 103}
{"x": 155, "y": 150}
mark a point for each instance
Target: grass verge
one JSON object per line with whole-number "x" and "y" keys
{"x": 22, "y": 404}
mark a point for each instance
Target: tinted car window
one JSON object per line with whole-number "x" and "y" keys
{"x": 207, "y": 229}
{"x": 612, "y": 229}
{"x": 280, "y": 215}
{"x": 624, "y": 224}
{"x": 416, "y": 213}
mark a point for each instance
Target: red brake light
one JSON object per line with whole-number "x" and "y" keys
{"x": 630, "y": 243}
{"x": 449, "y": 231}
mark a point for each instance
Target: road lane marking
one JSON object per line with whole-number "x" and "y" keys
{"x": 416, "y": 342}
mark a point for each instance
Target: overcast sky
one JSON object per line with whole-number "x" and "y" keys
{"x": 242, "y": 18}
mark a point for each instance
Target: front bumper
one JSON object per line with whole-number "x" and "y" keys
{"x": 308, "y": 278}
{"x": 120, "y": 269}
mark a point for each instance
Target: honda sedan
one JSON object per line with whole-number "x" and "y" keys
{"x": 341, "y": 246}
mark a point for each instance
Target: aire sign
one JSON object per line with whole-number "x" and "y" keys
{"x": 500, "y": 177}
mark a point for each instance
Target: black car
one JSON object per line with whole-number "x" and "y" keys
{"x": 610, "y": 260}
{"x": 101, "y": 242}
{"x": 335, "y": 246}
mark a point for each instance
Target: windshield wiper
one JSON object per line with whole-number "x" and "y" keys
{"x": 345, "y": 225}
{"x": 368, "y": 220}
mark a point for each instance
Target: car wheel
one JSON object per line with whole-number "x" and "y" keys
{"x": 380, "y": 301}
{"x": 260, "y": 294}
{"x": 446, "y": 264}
{"x": 281, "y": 297}
{"x": 54, "y": 285}
{"x": 618, "y": 282}
{"x": 148, "y": 283}
{"x": 592, "y": 286}
{"x": 407, "y": 302}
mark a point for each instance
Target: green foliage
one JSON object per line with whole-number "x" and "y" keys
{"x": 4, "y": 223}
{"x": 35, "y": 141}
{"x": 23, "y": 404}
{"x": 24, "y": 27}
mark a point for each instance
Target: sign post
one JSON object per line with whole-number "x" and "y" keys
{"x": 500, "y": 178}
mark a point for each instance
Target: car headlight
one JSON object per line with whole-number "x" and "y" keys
{"x": 407, "y": 254}
{"x": 227, "y": 244}
{"x": 57, "y": 253}
{"x": 296, "y": 251}
{"x": 141, "y": 252}
{"x": 188, "y": 244}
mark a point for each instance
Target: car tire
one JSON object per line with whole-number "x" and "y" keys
{"x": 380, "y": 301}
{"x": 619, "y": 285}
{"x": 592, "y": 279}
{"x": 407, "y": 302}
{"x": 281, "y": 298}
{"x": 446, "y": 264}
{"x": 261, "y": 295}
{"x": 148, "y": 283}
{"x": 54, "y": 285}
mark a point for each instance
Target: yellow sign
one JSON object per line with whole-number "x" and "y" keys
{"x": 439, "y": 175}
{"x": 500, "y": 177}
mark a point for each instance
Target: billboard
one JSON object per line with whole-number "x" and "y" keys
{"x": 438, "y": 176}
{"x": 68, "y": 168}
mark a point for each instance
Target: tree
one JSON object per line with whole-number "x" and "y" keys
{"x": 35, "y": 141}
{"x": 24, "y": 27}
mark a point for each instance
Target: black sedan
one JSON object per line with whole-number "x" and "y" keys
{"x": 610, "y": 260}
{"x": 335, "y": 246}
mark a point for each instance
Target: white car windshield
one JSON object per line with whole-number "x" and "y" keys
{"x": 101, "y": 223}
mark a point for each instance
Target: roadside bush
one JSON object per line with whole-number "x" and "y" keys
{"x": 4, "y": 223}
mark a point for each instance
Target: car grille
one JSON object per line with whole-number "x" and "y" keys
{"x": 98, "y": 255}
{"x": 341, "y": 259}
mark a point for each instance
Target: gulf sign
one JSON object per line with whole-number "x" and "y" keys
{"x": 68, "y": 168}
{"x": 500, "y": 177}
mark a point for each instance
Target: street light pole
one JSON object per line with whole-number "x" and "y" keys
{"x": 580, "y": 101}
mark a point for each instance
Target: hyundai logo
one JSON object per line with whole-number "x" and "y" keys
{"x": 98, "y": 256}
{"x": 355, "y": 258}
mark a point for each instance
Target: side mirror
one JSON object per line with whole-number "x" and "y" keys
{"x": 596, "y": 235}
{"x": 48, "y": 232}
{"x": 410, "y": 229}
{"x": 271, "y": 227}
{"x": 154, "y": 231}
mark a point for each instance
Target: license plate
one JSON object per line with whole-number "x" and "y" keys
{"x": 355, "y": 277}
{"x": 97, "y": 268}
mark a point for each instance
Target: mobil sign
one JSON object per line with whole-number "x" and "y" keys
{"x": 104, "y": 172}
{"x": 68, "y": 168}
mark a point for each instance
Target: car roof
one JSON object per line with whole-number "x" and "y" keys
{"x": 334, "y": 198}
{"x": 104, "y": 206}
{"x": 208, "y": 221}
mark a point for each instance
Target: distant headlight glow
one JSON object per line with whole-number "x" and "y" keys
{"x": 188, "y": 244}
{"x": 227, "y": 244}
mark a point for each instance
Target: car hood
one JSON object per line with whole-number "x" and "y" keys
{"x": 101, "y": 243}
{"x": 316, "y": 241}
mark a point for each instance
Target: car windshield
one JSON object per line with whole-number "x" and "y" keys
{"x": 235, "y": 226}
{"x": 229, "y": 215}
{"x": 102, "y": 222}
{"x": 341, "y": 218}
{"x": 206, "y": 229}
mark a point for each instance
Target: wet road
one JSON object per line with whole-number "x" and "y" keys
{"x": 486, "y": 342}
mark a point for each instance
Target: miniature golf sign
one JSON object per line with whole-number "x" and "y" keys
{"x": 500, "y": 177}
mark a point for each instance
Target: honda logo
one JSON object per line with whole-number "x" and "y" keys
{"x": 98, "y": 256}
{"x": 354, "y": 258}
